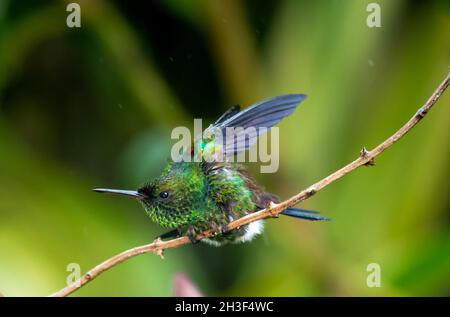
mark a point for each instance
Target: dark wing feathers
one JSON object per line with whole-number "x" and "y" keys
{"x": 273, "y": 109}
{"x": 264, "y": 114}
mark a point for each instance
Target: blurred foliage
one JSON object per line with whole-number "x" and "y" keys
{"x": 89, "y": 107}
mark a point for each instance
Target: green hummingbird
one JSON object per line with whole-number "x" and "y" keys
{"x": 194, "y": 196}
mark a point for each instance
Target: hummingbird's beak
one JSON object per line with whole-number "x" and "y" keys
{"x": 132, "y": 193}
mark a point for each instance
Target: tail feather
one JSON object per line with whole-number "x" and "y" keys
{"x": 303, "y": 214}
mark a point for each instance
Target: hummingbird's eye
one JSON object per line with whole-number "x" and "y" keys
{"x": 164, "y": 195}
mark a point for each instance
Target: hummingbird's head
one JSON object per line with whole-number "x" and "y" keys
{"x": 172, "y": 199}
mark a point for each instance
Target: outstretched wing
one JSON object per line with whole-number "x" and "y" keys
{"x": 259, "y": 118}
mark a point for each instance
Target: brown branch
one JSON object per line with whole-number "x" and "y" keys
{"x": 365, "y": 158}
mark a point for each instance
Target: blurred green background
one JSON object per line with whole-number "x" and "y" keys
{"x": 94, "y": 107}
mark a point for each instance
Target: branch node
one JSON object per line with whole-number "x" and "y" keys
{"x": 311, "y": 191}
{"x": 364, "y": 154}
{"x": 422, "y": 111}
{"x": 158, "y": 250}
{"x": 272, "y": 206}
{"x": 160, "y": 253}
{"x": 88, "y": 276}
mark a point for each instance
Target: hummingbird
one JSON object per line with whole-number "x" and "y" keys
{"x": 193, "y": 196}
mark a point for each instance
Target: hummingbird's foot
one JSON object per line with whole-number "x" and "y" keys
{"x": 192, "y": 234}
{"x": 215, "y": 228}
{"x": 271, "y": 206}
{"x": 223, "y": 228}
{"x": 192, "y": 239}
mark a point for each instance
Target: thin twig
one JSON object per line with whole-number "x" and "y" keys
{"x": 365, "y": 158}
